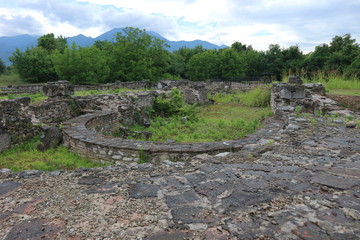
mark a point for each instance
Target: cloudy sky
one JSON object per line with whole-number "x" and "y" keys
{"x": 306, "y": 23}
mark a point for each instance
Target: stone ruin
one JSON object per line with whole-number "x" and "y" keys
{"x": 285, "y": 97}
{"x": 84, "y": 134}
{"x": 60, "y": 88}
{"x": 288, "y": 180}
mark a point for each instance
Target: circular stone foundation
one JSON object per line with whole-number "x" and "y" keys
{"x": 82, "y": 135}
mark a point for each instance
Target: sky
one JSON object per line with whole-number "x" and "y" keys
{"x": 306, "y": 23}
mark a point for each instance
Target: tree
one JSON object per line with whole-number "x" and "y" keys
{"x": 47, "y": 42}
{"x": 34, "y": 65}
{"x": 232, "y": 64}
{"x": 255, "y": 63}
{"x": 137, "y": 55}
{"x": 239, "y": 47}
{"x": 353, "y": 70}
{"x": 182, "y": 57}
{"x": 2, "y": 67}
{"x": 203, "y": 66}
{"x": 274, "y": 60}
{"x": 294, "y": 59}
{"x": 343, "y": 51}
{"x": 82, "y": 65}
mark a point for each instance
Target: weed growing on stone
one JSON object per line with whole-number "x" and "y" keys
{"x": 358, "y": 123}
{"x": 144, "y": 157}
{"x": 313, "y": 122}
{"x": 298, "y": 111}
{"x": 26, "y": 156}
{"x": 350, "y": 117}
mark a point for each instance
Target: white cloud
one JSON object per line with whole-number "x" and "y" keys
{"x": 257, "y": 22}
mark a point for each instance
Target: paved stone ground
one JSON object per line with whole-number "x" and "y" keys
{"x": 292, "y": 180}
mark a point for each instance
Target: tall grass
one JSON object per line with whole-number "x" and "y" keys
{"x": 26, "y": 156}
{"x": 10, "y": 79}
{"x": 335, "y": 81}
{"x": 257, "y": 97}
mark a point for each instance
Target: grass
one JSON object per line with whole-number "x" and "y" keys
{"x": 11, "y": 79}
{"x": 97, "y": 92}
{"x": 35, "y": 97}
{"x": 26, "y": 156}
{"x": 258, "y": 97}
{"x": 226, "y": 120}
{"x": 336, "y": 84}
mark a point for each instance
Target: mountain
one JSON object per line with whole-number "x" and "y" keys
{"x": 9, "y": 44}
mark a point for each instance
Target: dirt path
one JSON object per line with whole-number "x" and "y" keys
{"x": 351, "y": 102}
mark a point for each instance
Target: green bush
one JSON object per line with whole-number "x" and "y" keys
{"x": 167, "y": 106}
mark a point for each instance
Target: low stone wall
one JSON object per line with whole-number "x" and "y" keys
{"x": 15, "y": 123}
{"x": 80, "y": 136}
{"x": 53, "y": 111}
{"x": 15, "y": 89}
{"x": 161, "y": 85}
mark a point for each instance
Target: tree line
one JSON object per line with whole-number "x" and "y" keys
{"x": 135, "y": 55}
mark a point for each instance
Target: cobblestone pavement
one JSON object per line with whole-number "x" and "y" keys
{"x": 298, "y": 179}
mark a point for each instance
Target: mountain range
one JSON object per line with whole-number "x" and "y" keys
{"x": 9, "y": 44}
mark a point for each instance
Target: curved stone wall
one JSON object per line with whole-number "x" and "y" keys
{"x": 80, "y": 135}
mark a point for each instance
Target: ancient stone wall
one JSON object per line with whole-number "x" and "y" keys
{"x": 15, "y": 89}
{"x": 15, "y": 123}
{"x": 53, "y": 111}
{"x": 127, "y": 108}
{"x": 161, "y": 85}
{"x": 80, "y": 136}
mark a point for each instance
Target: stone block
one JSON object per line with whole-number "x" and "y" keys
{"x": 56, "y": 89}
{"x": 5, "y": 141}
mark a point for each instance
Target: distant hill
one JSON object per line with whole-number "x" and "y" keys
{"x": 9, "y": 44}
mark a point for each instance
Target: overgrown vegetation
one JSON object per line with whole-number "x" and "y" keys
{"x": 134, "y": 55}
{"x": 337, "y": 84}
{"x": 10, "y": 79}
{"x": 258, "y": 97}
{"x": 26, "y": 156}
{"x": 228, "y": 119}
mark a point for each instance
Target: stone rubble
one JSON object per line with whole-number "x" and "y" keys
{"x": 296, "y": 178}
{"x": 286, "y": 183}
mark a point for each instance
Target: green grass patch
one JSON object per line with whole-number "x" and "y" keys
{"x": 217, "y": 122}
{"x": 258, "y": 97}
{"x": 349, "y": 92}
{"x": 112, "y": 91}
{"x": 35, "y": 97}
{"x": 26, "y": 156}
{"x": 336, "y": 84}
{"x": 11, "y": 79}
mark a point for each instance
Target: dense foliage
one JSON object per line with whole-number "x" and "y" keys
{"x": 134, "y": 55}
